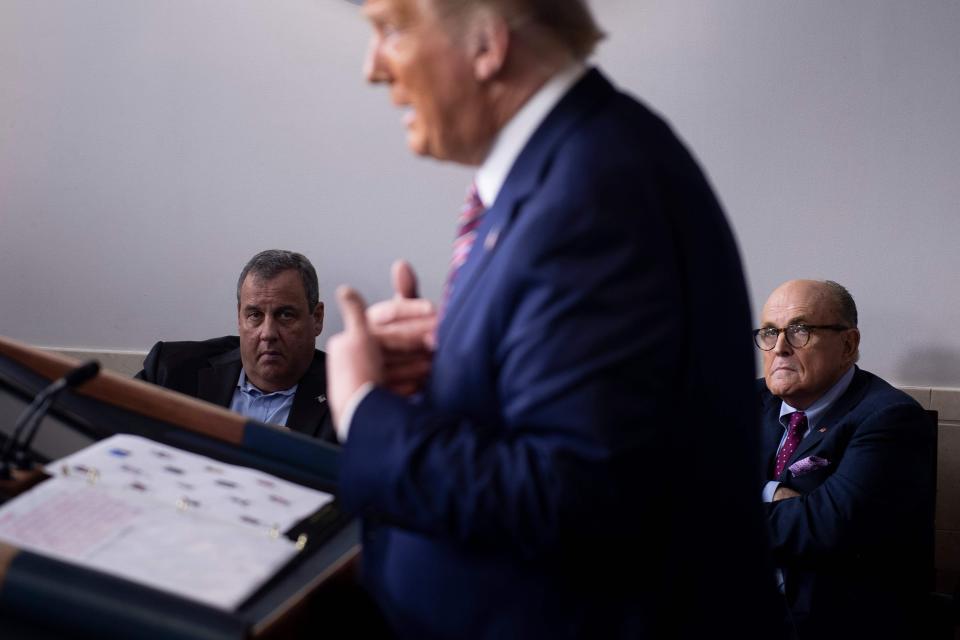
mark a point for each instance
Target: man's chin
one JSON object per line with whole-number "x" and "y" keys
{"x": 270, "y": 383}
{"x": 271, "y": 362}
{"x": 272, "y": 372}
{"x": 780, "y": 385}
{"x": 421, "y": 151}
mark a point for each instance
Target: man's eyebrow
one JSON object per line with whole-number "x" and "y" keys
{"x": 795, "y": 320}
{"x": 251, "y": 307}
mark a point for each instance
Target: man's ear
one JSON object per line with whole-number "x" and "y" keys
{"x": 318, "y": 319}
{"x": 851, "y": 343}
{"x": 489, "y": 39}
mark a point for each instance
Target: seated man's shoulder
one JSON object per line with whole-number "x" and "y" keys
{"x": 167, "y": 357}
{"x": 193, "y": 349}
{"x": 883, "y": 399}
{"x": 882, "y": 390}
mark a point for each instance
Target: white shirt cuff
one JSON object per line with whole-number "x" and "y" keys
{"x": 769, "y": 489}
{"x": 343, "y": 426}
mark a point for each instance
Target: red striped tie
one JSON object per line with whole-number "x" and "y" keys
{"x": 470, "y": 216}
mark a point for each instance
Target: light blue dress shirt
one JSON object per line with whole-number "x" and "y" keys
{"x": 271, "y": 408}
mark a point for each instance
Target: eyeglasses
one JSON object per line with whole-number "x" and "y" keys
{"x": 798, "y": 335}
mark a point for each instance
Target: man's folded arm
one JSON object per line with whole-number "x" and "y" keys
{"x": 879, "y": 481}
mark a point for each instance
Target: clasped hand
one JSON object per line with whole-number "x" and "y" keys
{"x": 391, "y": 343}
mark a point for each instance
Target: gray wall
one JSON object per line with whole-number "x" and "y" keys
{"x": 149, "y": 147}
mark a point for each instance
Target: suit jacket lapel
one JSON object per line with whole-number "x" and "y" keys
{"x": 217, "y": 383}
{"x": 841, "y": 408}
{"x": 807, "y": 444}
{"x": 310, "y": 403}
{"x": 524, "y": 177}
{"x": 492, "y": 228}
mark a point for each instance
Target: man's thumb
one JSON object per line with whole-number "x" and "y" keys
{"x": 404, "y": 279}
{"x": 352, "y": 309}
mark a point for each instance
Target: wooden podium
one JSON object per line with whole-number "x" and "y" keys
{"x": 42, "y": 597}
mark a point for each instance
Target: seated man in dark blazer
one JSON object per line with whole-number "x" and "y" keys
{"x": 847, "y": 457}
{"x": 271, "y": 372}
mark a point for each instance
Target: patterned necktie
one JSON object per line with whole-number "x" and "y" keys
{"x": 470, "y": 216}
{"x": 795, "y": 431}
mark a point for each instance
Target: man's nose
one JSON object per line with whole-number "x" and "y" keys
{"x": 782, "y": 347}
{"x": 268, "y": 329}
{"x": 373, "y": 69}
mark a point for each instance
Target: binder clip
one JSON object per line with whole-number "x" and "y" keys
{"x": 301, "y": 541}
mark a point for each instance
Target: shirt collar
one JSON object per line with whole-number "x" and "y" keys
{"x": 818, "y": 409}
{"x": 513, "y": 137}
{"x": 246, "y": 386}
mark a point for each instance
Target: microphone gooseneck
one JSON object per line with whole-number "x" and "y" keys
{"x": 86, "y": 371}
{"x": 29, "y": 421}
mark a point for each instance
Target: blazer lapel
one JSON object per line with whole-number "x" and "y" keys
{"x": 310, "y": 408}
{"x": 492, "y": 229}
{"x": 523, "y": 180}
{"x": 840, "y": 409}
{"x": 217, "y": 383}
{"x": 807, "y": 444}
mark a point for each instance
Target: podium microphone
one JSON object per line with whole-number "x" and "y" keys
{"x": 29, "y": 421}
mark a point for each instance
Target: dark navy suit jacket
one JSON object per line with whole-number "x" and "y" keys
{"x": 209, "y": 370}
{"x": 855, "y": 549}
{"x": 584, "y": 461}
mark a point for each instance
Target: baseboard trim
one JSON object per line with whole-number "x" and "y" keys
{"x": 126, "y": 363}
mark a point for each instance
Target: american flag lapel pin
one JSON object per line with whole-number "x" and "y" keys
{"x": 321, "y": 398}
{"x": 491, "y": 240}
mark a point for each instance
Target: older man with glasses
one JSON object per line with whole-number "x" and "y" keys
{"x": 847, "y": 459}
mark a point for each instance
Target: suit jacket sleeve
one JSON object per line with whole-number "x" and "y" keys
{"x": 880, "y": 483}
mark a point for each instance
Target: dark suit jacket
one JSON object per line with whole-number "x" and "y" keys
{"x": 209, "y": 370}
{"x": 856, "y": 547}
{"x": 583, "y": 463}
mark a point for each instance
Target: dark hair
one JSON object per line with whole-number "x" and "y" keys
{"x": 272, "y": 262}
{"x": 844, "y": 302}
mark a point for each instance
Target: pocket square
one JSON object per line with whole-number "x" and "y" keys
{"x": 812, "y": 463}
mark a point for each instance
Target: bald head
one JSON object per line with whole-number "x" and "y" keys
{"x": 801, "y": 294}
{"x": 823, "y": 294}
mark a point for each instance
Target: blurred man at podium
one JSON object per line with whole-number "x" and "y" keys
{"x": 272, "y": 372}
{"x": 580, "y": 462}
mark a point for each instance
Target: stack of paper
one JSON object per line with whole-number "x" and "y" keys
{"x": 164, "y": 517}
